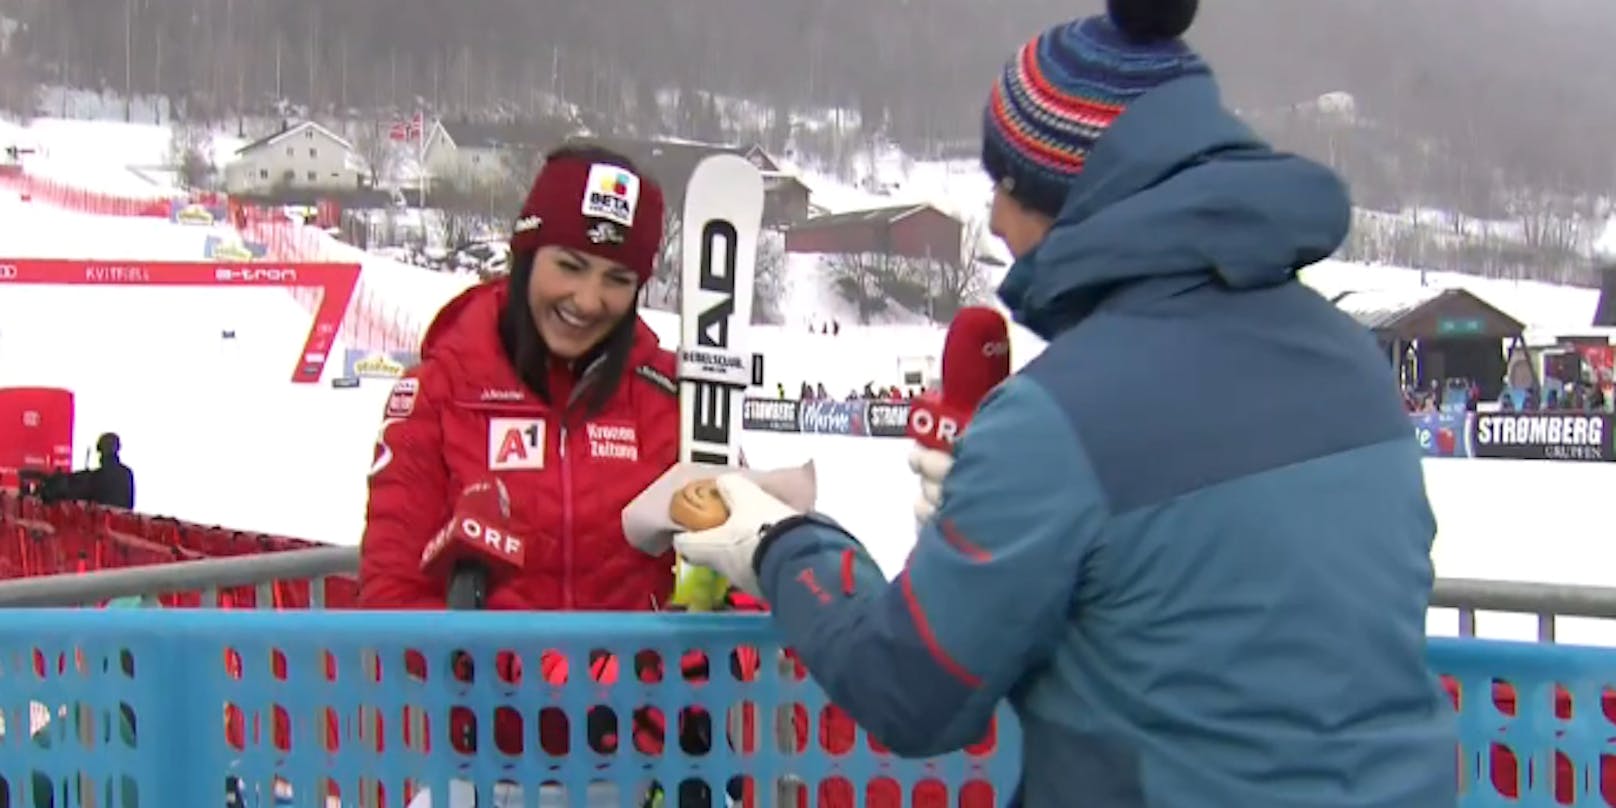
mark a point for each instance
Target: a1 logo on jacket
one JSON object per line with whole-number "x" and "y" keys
{"x": 515, "y": 444}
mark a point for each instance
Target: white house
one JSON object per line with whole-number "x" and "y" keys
{"x": 469, "y": 159}
{"x": 469, "y": 154}
{"x": 304, "y": 156}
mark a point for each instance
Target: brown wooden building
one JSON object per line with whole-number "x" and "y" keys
{"x": 1605, "y": 314}
{"x": 911, "y": 231}
{"x": 1438, "y": 334}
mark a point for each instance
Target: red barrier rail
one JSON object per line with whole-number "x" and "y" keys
{"x": 33, "y": 188}
{"x": 69, "y": 538}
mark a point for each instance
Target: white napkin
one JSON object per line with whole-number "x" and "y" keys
{"x": 648, "y": 527}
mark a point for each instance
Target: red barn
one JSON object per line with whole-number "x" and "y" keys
{"x": 910, "y": 231}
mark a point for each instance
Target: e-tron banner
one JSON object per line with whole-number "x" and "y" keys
{"x": 336, "y": 283}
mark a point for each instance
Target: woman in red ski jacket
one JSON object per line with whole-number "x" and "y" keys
{"x": 549, "y": 382}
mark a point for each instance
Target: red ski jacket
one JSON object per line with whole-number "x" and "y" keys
{"x": 463, "y": 414}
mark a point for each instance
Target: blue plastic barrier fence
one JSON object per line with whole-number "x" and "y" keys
{"x": 156, "y": 708}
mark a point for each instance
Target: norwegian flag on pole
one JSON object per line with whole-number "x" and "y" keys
{"x": 412, "y": 129}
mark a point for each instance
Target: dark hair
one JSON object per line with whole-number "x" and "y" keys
{"x": 519, "y": 335}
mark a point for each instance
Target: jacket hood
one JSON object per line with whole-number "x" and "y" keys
{"x": 1178, "y": 188}
{"x": 466, "y": 330}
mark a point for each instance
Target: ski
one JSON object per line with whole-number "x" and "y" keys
{"x": 723, "y": 213}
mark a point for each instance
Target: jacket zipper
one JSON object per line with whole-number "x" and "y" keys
{"x": 566, "y": 523}
{"x": 568, "y": 599}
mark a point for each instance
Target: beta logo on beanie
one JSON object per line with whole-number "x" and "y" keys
{"x": 593, "y": 207}
{"x": 1058, "y": 95}
{"x": 612, "y": 195}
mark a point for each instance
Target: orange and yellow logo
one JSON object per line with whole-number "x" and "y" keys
{"x": 614, "y": 184}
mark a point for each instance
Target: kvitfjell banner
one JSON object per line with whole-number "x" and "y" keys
{"x": 1544, "y": 436}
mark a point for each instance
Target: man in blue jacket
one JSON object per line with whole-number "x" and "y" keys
{"x": 1210, "y": 600}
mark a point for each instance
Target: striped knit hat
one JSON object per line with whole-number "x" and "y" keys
{"x": 1055, "y": 99}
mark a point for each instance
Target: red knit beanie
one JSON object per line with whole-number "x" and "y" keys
{"x": 593, "y": 207}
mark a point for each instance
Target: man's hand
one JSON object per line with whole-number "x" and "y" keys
{"x": 729, "y": 548}
{"x": 932, "y": 466}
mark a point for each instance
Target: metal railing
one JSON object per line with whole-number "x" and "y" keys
{"x": 1546, "y": 602}
{"x": 1467, "y": 596}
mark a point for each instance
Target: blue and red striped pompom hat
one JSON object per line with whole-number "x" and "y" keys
{"x": 1055, "y": 99}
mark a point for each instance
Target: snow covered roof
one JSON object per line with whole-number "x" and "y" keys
{"x": 1384, "y": 308}
{"x": 880, "y": 216}
{"x": 270, "y": 140}
{"x": 1427, "y": 312}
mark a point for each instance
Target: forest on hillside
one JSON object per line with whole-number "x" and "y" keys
{"x": 1523, "y": 84}
{"x": 1496, "y": 109}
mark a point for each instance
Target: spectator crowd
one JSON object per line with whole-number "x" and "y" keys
{"x": 815, "y": 391}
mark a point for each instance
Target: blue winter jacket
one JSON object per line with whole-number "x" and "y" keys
{"x": 1189, "y": 542}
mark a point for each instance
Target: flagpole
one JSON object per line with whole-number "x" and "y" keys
{"x": 420, "y": 166}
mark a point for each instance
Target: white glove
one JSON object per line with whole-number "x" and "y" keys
{"x": 932, "y": 465}
{"x": 728, "y": 549}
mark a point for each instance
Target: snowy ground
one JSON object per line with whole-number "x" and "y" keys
{"x": 1605, "y": 247}
{"x": 191, "y": 404}
{"x": 216, "y": 435}
{"x": 960, "y": 188}
{"x": 1541, "y": 306}
{"x": 128, "y": 158}
{"x": 104, "y": 156}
